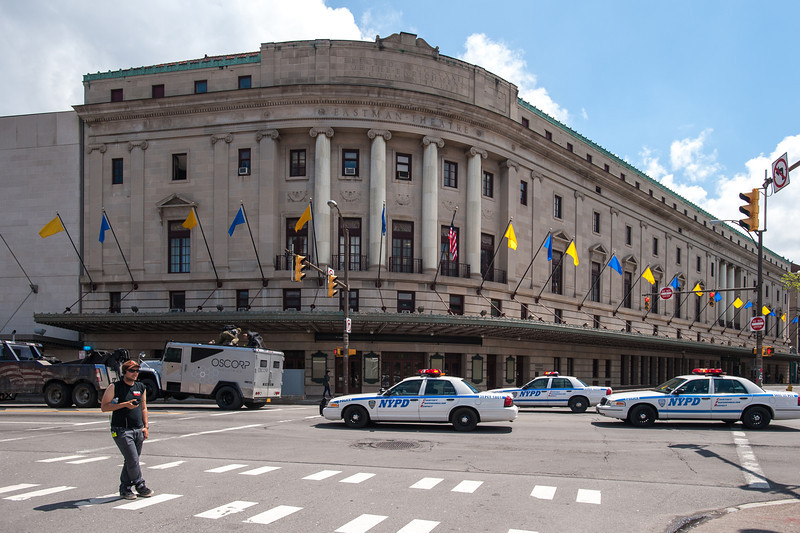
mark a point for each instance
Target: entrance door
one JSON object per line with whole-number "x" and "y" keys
{"x": 353, "y": 375}
{"x": 491, "y": 371}
{"x": 396, "y": 366}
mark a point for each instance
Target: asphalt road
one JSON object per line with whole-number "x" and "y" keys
{"x": 286, "y": 469}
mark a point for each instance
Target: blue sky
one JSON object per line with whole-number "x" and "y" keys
{"x": 700, "y": 95}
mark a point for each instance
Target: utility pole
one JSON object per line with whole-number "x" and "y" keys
{"x": 346, "y": 293}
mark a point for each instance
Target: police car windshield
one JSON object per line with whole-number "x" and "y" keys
{"x": 670, "y": 385}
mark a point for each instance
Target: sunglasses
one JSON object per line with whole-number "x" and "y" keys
{"x": 132, "y": 370}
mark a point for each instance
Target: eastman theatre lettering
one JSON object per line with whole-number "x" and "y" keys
{"x": 393, "y": 115}
{"x": 443, "y": 80}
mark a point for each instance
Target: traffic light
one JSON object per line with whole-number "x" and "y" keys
{"x": 332, "y": 286}
{"x": 750, "y": 209}
{"x": 646, "y": 303}
{"x": 711, "y": 300}
{"x": 768, "y": 351}
{"x": 298, "y": 267}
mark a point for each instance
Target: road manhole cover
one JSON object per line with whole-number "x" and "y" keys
{"x": 389, "y": 445}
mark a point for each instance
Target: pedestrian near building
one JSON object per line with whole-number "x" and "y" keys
{"x": 127, "y": 402}
{"x": 327, "y": 390}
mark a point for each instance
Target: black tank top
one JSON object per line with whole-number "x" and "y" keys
{"x": 128, "y": 418}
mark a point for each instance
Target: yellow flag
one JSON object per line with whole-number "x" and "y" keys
{"x": 51, "y": 228}
{"x": 571, "y": 251}
{"x": 698, "y": 290}
{"x": 784, "y": 317}
{"x": 737, "y": 303}
{"x": 512, "y": 239}
{"x": 305, "y": 217}
{"x": 648, "y": 276}
{"x": 765, "y": 310}
{"x": 191, "y": 220}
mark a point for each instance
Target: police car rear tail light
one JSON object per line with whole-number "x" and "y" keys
{"x": 508, "y": 402}
{"x": 431, "y": 372}
{"x": 708, "y": 371}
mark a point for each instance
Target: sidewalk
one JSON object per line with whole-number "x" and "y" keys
{"x": 780, "y": 516}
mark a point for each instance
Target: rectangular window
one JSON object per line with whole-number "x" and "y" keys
{"x": 569, "y": 147}
{"x": 627, "y": 283}
{"x": 350, "y": 162}
{"x": 179, "y": 247}
{"x": 525, "y": 122}
{"x": 558, "y": 316}
{"x": 403, "y": 166}
{"x": 402, "y": 259}
{"x": 158, "y": 91}
{"x": 245, "y": 82}
{"x": 291, "y": 299}
{"x": 497, "y": 307}
{"x": 698, "y": 263}
{"x": 296, "y": 241}
{"x": 557, "y": 201}
{"x": 244, "y": 161}
{"x": 606, "y": 167}
{"x": 596, "y": 321}
{"x": 353, "y": 226}
{"x": 655, "y": 246}
{"x": 449, "y": 251}
{"x": 456, "y": 304}
{"x": 678, "y": 256}
{"x": 116, "y": 171}
{"x": 405, "y": 301}
{"x": 488, "y": 184}
{"x": 487, "y": 250}
{"x": 179, "y": 162}
{"x": 556, "y": 286}
{"x": 548, "y": 135}
{"x": 523, "y": 192}
{"x": 114, "y": 302}
{"x": 628, "y": 235}
{"x": 242, "y": 300}
{"x": 200, "y": 86}
{"x": 589, "y": 158}
{"x": 595, "y": 281}
{"x": 353, "y": 295}
{"x": 596, "y": 222}
{"x": 297, "y": 163}
{"x": 451, "y": 174}
{"x": 116, "y": 95}
{"x": 177, "y": 301}
{"x": 712, "y": 270}
{"x": 523, "y": 311}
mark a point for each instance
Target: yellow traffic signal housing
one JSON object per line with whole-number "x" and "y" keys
{"x": 768, "y": 351}
{"x": 750, "y": 209}
{"x": 332, "y": 285}
{"x": 711, "y": 300}
{"x": 298, "y": 267}
{"x": 646, "y": 303}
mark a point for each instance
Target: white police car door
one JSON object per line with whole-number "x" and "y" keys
{"x": 438, "y": 399}
{"x": 729, "y": 399}
{"x": 534, "y": 393}
{"x": 400, "y": 403}
{"x": 692, "y": 400}
{"x": 560, "y": 392}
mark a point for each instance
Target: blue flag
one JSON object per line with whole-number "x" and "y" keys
{"x": 383, "y": 220}
{"x": 717, "y": 296}
{"x": 104, "y": 225}
{"x": 794, "y": 320}
{"x": 549, "y": 245}
{"x": 748, "y": 305}
{"x": 238, "y": 219}
{"x": 675, "y": 284}
{"x": 614, "y": 264}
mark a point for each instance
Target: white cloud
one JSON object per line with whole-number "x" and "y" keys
{"x": 687, "y": 156}
{"x": 509, "y": 64}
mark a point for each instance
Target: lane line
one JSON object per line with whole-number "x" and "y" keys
{"x": 260, "y": 470}
{"x": 357, "y": 478}
{"x": 753, "y": 474}
{"x": 88, "y": 460}
{"x": 56, "y": 459}
{"x": 21, "y": 486}
{"x": 363, "y": 523}
{"x": 276, "y": 513}
{"x": 166, "y": 465}
{"x": 228, "y": 509}
{"x": 323, "y": 474}
{"x": 209, "y": 432}
{"x": 34, "y": 494}
{"x": 141, "y": 503}
{"x": 226, "y": 468}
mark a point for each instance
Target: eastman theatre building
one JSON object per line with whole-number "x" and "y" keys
{"x": 408, "y": 143}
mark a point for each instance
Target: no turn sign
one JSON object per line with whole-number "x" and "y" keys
{"x": 665, "y": 293}
{"x": 757, "y": 323}
{"x": 780, "y": 173}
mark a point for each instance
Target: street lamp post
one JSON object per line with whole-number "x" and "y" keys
{"x": 346, "y": 293}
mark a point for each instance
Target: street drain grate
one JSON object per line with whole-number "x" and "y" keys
{"x": 392, "y": 445}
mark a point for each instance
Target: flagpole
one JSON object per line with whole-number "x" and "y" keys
{"x": 105, "y": 215}
{"x": 695, "y": 317}
{"x": 628, "y": 294}
{"x": 33, "y": 286}
{"x": 94, "y": 287}
{"x": 441, "y": 256}
{"x": 552, "y": 271}
{"x": 513, "y": 294}
{"x": 380, "y": 256}
{"x": 595, "y": 281}
{"x": 725, "y": 326}
{"x": 680, "y": 305}
{"x": 316, "y": 251}
{"x": 203, "y": 233}
{"x": 483, "y": 276}
{"x": 252, "y": 240}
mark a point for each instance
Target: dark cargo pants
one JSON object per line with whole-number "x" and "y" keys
{"x": 129, "y": 442}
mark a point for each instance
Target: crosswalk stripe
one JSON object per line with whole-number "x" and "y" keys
{"x": 260, "y": 470}
{"x": 227, "y": 509}
{"x": 21, "y": 486}
{"x": 108, "y": 498}
{"x": 427, "y": 483}
{"x": 276, "y": 513}
{"x": 467, "y": 486}
{"x": 34, "y": 494}
{"x": 87, "y": 460}
{"x": 141, "y": 503}
{"x": 323, "y": 474}
{"x": 226, "y": 468}
{"x": 588, "y": 496}
{"x": 418, "y": 526}
{"x": 56, "y": 459}
{"x": 363, "y": 523}
{"x": 543, "y": 492}
{"x": 357, "y": 478}
{"x": 520, "y": 531}
{"x": 166, "y": 465}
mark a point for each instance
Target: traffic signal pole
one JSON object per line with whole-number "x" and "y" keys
{"x": 760, "y": 301}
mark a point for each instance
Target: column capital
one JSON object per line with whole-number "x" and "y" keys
{"x": 536, "y": 175}
{"x": 272, "y": 134}
{"x": 228, "y": 138}
{"x": 578, "y": 195}
{"x": 386, "y": 134}
{"x": 99, "y": 147}
{"x": 432, "y": 140}
{"x": 142, "y": 144}
{"x": 474, "y": 150}
{"x": 328, "y": 132}
{"x": 510, "y": 163}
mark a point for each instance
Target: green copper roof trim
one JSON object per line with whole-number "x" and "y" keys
{"x": 627, "y": 165}
{"x": 211, "y": 62}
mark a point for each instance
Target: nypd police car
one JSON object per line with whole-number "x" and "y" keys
{"x": 706, "y": 394}
{"x": 427, "y": 397}
{"x": 552, "y": 390}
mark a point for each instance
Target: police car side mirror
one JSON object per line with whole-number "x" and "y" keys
{"x": 381, "y": 390}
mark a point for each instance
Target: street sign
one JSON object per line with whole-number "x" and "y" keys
{"x": 780, "y": 173}
{"x": 666, "y": 293}
{"x": 348, "y": 323}
{"x": 757, "y": 323}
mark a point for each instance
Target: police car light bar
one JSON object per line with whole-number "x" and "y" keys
{"x": 551, "y": 373}
{"x": 431, "y": 372}
{"x": 708, "y": 371}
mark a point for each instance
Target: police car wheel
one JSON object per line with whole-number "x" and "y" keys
{"x": 756, "y": 418}
{"x": 355, "y": 417}
{"x": 642, "y": 416}
{"x": 578, "y": 404}
{"x": 464, "y": 420}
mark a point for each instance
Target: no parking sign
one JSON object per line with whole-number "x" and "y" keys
{"x": 780, "y": 173}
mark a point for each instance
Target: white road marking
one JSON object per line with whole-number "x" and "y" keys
{"x": 56, "y": 459}
{"x": 17, "y": 438}
{"x": 88, "y": 460}
{"x": 323, "y": 474}
{"x": 21, "y": 486}
{"x": 276, "y": 513}
{"x": 588, "y": 496}
{"x": 226, "y": 468}
{"x": 34, "y": 494}
{"x": 427, "y": 483}
{"x": 141, "y": 503}
{"x": 520, "y": 531}
{"x": 226, "y": 413}
{"x": 90, "y": 423}
{"x": 167, "y": 465}
{"x": 98, "y": 501}
{"x": 227, "y": 509}
{"x": 314, "y": 416}
{"x": 418, "y": 526}
{"x": 260, "y": 470}
{"x": 467, "y": 486}
{"x": 357, "y": 478}
{"x": 543, "y": 492}
{"x": 753, "y": 474}
{"x": 363, "y": 523}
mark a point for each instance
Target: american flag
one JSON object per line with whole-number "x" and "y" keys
{"x": 453, "y": 243}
